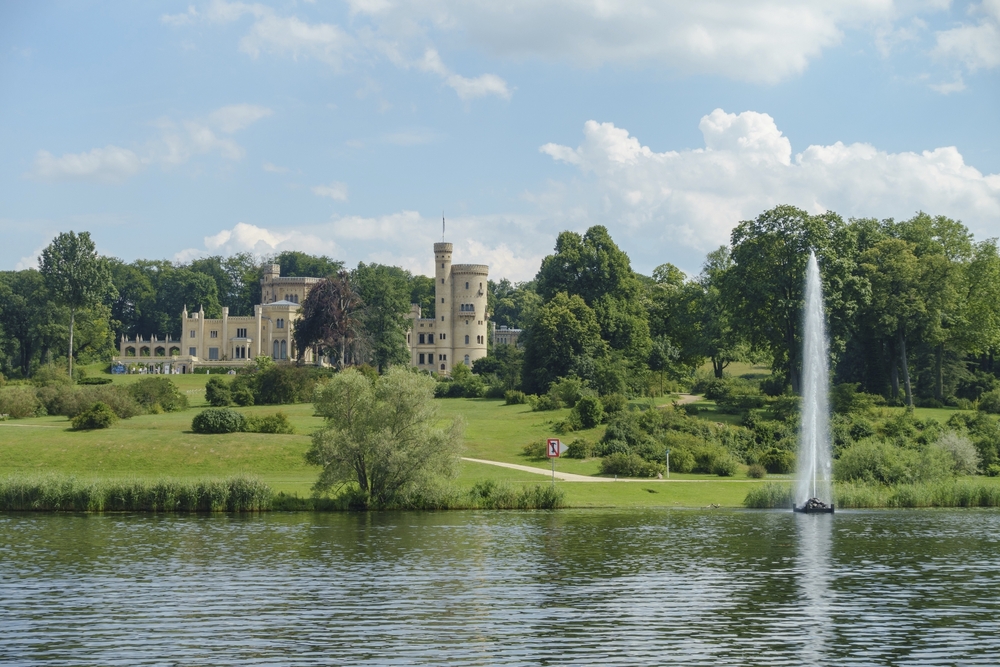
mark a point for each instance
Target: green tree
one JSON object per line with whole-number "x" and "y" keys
{"x": 299, "y": 264}
{"x": 564, "y": 329}
{"x": 75, "y": 276}
{"x": 330, "y": 318}
{"x": 30, "y": 322}
{"x": 134, "y": 296}
{"x": 512, "y": 305}
{"x": 385, "y": 295}
{"x": 504, "y": 363}
{"x": 383, "y": 435}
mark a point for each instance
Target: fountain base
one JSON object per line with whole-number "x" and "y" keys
{"x": 814, "y": 506}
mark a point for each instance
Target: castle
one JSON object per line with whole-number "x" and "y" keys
{"x": 456, "y": 335}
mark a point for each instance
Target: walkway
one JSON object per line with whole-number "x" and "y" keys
{"x": 570, "y": 477}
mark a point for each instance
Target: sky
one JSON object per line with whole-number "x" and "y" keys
{"x": 174, "y": 130}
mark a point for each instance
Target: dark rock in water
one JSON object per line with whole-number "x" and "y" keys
{"x": 814, "y": 505}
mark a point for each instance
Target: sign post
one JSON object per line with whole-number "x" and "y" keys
{"x": 668, "y": 464}
{"x": 553, "y": 449}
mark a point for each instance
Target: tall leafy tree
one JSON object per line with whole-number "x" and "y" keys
{"x": 76, "y": 277}
{"x": 564, "y": 330}
{"x": 330, "y": 317}
{"x": 385, "y": 294}
{"x": 299, "y": 264}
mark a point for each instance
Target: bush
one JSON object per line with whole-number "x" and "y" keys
{"x": 962, "y": 451}
{"x": 989, "y": 402}
{"x": 244, "y": 390}
{"x": 690, "y": 409}
{"x": 158, "y": 393}
{"x": 614, "y": 404}
{"x": 877, "y": 462}
{"x": 98, "y": 416}
{"x": 97, "y": 380}
{"x": 51, "y": 374}
{"x": 725, "y": 466}
{"x": 778, "y": 461}
{"x": 547, "y": 402}
{"x": 568, "y": 390}
{"x": 282, "y": 384}
{"x": 60, "y": 399}
{"x": 589, "y": 411}
{"x": 515, "y": 397}
{"x": 629, "y": 465}
{"x": 217, "y": 392}
{"x": 769, "y": 496}
{"x": 276, "y": 423}
{"x": 579, "y": 449}
{"x": 116, "y": 397}
{"x": 534, "y": 450}
{"x": 707, "y": 458}
{"x": 19, "y": 402}
{"x": 845, "y": 398}
{"x": 681, "y": 460}
{"x": 756, "y": 471}
{"x": 218, "y": 420}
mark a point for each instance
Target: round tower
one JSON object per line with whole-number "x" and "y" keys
{"x": 443, "y": 336}
{"x": 469, "y": 312}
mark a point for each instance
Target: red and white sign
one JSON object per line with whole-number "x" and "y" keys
{"x": 553, "y": 448}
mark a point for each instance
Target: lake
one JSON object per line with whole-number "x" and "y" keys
{"x": 614, "y": 587}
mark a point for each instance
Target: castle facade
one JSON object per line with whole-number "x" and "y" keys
{"x": 456, "y": 335}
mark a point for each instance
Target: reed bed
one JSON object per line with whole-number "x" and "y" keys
{"x": 68, "y": 494}
{"x": 488, "y": 494}
{"x": 960, "y": 492}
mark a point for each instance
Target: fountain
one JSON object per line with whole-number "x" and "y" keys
{"x": 814, "y": 467}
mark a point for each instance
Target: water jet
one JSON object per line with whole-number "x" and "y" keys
{"x": 813, "y": 489}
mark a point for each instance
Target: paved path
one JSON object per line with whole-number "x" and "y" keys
{"x": 683, "y": 399}
{"x": 570, "y": 477}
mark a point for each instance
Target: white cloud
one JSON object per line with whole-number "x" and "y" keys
{"x": 273, "y": 168}
{"x": 236, "y": 117}
{"x": 110, "y": 164}
{"x": 466, "y": 88}
{"x": 244, "y": 237}
{"x": 976, "y": 46}
{"x": 336, "y": 191}
{"x": 754, "y": 40}
{"x": 288, "y": 35}
{"x": 956, "y": 85}
{"x": 695, "y": 197}
{"x": 180, "y": 19}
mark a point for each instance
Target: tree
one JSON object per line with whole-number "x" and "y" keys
{"x": 75, "y": 276}
{"x": 504, "y": 363}
{"x": 764, "y": 286}
{"x": 383, "y": 435}
{"x": 512, "y": 305}
{"x": 564, "y": 329}
{"x": 299, "y": 264}
{"x": 330, "y": 317}
{"x": 385, "y": 295}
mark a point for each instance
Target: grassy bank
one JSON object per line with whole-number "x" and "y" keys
{"x": 959, "y": 492}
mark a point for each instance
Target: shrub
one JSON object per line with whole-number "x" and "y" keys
{"x": 281, "y": 384}
{"x": 50, "y": 374}
{"x": 515, "y": 397}
{"x": 725, "y": 466}
{"x": 989, "y": 402}
{"x": 756, "y": 471}
{"x": 534, "y": 450}
{"x": 19, "y": 402}
{"x": 97, "y": 380}
{"x": 218, "y": 420}
{"x": 495, "y": 390}
{"x": 993, "y": 470}
{"x": 243, "y": 390}
{"x": 681, "y": 460}
{"x": 158, "y": 393}
{"x": 276, "y": 423}
{"x": 217, "y": 392}
{"x": 706, "y": 458}
{"x": 778, "y": 461}
{"x": 568, "y": 390}
{"x": 579, "y": 449}
{"x": 116, "y": 397}
{"x": 98, "y": 416}
{"x": 690, "y": 409}
{"x": 629, "y": 465}
{"x": 614, "y": 404}
{"x": 589, "y": 411}
{"x": 60, "y": 399}
{"x": 845, "y": 398}
{"x": 962, "y": 451}
{"x": 443, "y": 388}
{"x": 547, "y": 402}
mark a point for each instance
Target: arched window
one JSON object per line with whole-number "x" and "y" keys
{"x": 281, "y": 323}
{"x": 442, "y": 366}
{"x": 466, "y": 342}
{"x": 276, "y": 348}
{"x": 466, "y": 358}
{"x": 284, "y": 350}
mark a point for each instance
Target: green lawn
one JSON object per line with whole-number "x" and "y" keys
{"x": 155, "y": 446}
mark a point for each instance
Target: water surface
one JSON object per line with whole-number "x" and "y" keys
{"x": 502, "y": 588}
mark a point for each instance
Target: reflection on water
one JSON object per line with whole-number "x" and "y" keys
{"x": 813, "y": 574}
{"x": 507, "y": 588}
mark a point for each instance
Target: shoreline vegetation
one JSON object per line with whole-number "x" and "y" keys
{"x": 960, "y": 492}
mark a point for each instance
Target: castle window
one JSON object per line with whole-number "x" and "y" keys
{"x": 213, "y": 353}
{"x": 213, "y": 334}
{"x": 280, "y": 323}
{"x": 441, "y": 336}
{"x": 442, "y": 318}
{"x": 193, "y": 351}
{"x": 466, "y": 360}
{"x": 466, "y": 340}
{"x": 421, "y": 359}
{"x": 284, "y": 350}
{"x": 277, "y": 351}
{"x": 442, "y": 280}
{"x": 422, "y": 341}
{"x": 466, "y": 285}
{"x": 442, "y": 299}
{"x": 241, "y": 333}
{"x": 442, "y": 366}
{"x": 442, "y": 266}
{"x": 192, "y": 334}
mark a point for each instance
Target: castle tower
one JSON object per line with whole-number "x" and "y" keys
{"x": 443, "y": 338}
{"x": 469, "y": 325}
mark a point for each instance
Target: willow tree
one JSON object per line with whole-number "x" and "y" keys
{"x": 75, "y": 276}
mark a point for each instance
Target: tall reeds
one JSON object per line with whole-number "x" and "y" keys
{"x": 959, "y": 492}
{"x": 68, "y": 494}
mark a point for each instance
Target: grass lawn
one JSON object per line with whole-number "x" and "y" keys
{"x": 156, "y": 446}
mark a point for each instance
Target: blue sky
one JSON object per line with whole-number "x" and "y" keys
{"x": 175, "y": 129}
